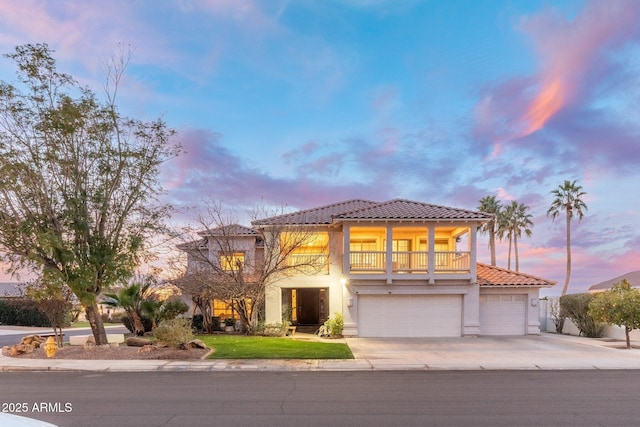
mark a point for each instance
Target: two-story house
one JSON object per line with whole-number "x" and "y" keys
{"x": 399, "y": 268}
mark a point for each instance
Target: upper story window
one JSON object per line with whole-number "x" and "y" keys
{"x": 308, "y": 252}
{"x": 232, "y": 261}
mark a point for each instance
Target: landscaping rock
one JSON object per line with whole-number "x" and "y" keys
{"x": 147, "y": 348}
{"x": 196, "y": 344}
{"x": 27, "y": 345}
{"x": 137, "y": 342}
{"x": 32, "y": 340}
{"x": 18, "y": 349}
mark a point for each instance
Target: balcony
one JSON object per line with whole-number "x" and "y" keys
{"x": 309, "y": 263}
{"x": 411, "y": 262}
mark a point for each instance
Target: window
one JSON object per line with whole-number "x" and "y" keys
{"x": 362, "y": 245}
{"x": 233, "y": 261}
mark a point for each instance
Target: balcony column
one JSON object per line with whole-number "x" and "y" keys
{"x": 389, "y": 253}
{"x": 432, "y": 254}
{"x": 473, "y": 230}
{"x": 346, "y": 258}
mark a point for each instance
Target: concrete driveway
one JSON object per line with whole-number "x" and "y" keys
{"x": 547, "y": 351}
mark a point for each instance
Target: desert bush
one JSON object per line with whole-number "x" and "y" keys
{"x": 175, "y": 333}
{"x": 271, "y": 329}
{"x": 576, "y": 308}
{"x": 335, "y": 325}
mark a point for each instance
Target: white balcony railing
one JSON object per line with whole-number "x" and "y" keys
{"x": 452, "y": 261}
{"x": 409, "y": 262}
{"x": 309, "y": 263}
{"x": 370, "y": 261}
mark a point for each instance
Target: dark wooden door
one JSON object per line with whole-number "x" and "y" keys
{"x": 308, "y": 306}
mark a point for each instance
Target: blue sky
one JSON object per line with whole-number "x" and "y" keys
{"x": 302, "y": 103}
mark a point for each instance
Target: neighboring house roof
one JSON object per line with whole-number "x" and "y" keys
{"x": 233, "y": 230}
{"x": 633, "y": 278}
{"x": 230, "y": 230}
{"x": 396, "y": 209}
{"x": 196, "y": 244}
{"x": 491, "y": 276}
{"x": 11, "y": 289}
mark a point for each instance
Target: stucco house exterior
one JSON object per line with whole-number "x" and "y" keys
{"x": 398, "y": 268}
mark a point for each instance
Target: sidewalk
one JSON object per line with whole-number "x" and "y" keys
{"x": 544, "y": 352}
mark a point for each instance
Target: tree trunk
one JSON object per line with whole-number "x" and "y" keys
{"x": 138, "y": 326}
{"x": 492, "y": 246}
{"x": 509, "y": 257}
{"x": 204, "y": 305}
{"x": 626, "y": 332}
{"x": 57, "y": 331}
{"x": 97, "y": 327}
{"x": 515, "y": 250}
{"x": 566, "y": 279}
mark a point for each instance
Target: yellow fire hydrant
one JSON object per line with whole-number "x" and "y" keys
{"x": 51, "y": 347}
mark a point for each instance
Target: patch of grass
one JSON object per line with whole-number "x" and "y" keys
{"x": 248, "y": 347}
{"x": 85, "y": 324}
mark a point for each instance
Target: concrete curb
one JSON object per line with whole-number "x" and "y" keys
{"x": 544, "y": 352}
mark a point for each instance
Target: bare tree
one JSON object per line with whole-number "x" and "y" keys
{"x": 55, "y": 301}
{"x": 238, "y": 264}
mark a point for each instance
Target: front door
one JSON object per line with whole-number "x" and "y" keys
{"x": 308, "y": 306}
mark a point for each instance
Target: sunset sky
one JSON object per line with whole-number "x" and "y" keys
{"x": 303, "y": 103}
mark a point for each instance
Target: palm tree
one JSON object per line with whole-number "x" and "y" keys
{"x": 568, "y": 198}
{"x": 513, "y": 221}
{"x": 130, "y": 300}
{"x": 520, "y": 223}
{"x": 490, "y": 205}
{"x": 504, "y": 230}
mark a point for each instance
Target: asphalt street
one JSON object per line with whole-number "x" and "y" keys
{"x": 372, "y": 398}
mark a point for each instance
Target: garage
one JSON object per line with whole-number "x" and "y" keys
{"x": 410, "y": 315}
{"x": 503, "y": 314}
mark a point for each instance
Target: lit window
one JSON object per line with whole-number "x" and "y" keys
{"x": 234, "y": 261}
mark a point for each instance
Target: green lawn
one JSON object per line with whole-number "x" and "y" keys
{"x": 248, "y": 347}
{"x": 85, "y": 324}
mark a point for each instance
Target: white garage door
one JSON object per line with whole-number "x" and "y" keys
{"x": 410, "y": 315}
{"x": 503, "y": 314}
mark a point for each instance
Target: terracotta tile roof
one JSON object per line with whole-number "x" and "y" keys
{"x": 397, "y": 209}
{"x": 230, "y": 230}
{"x": 233, "y": 230}
{"x": 633, "y": 278}
{"x": 495, "y": 276}
{"x": 196, "y": 244}
{"x": 320, "y": 215}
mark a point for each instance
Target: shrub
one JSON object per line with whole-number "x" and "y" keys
{"x": 22, "y": 312}
{"x": 335, "y": 325}
{"x": 175, "y": 333}
{"x": 271, "y": 329}
{"x": 576, "y": 308}
{"x": 172, "y": 308}
{"x": 147, "y": 323}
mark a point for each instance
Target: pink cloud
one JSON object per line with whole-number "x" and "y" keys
{"x": 569, "y": 49}
{"x": 84, "y": 31}
{"x": 571, "y": 54}
{"x": 208, "y": 169}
